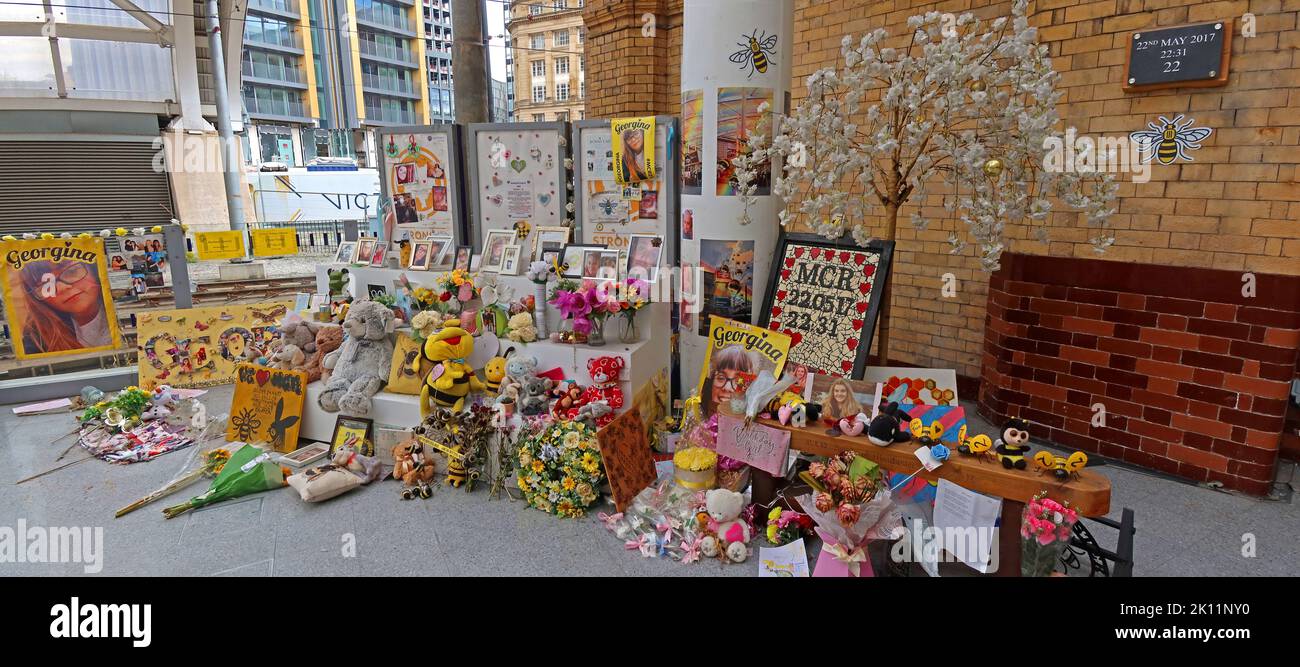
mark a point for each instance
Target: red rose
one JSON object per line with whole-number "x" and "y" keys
{"x": 445, "y": 296}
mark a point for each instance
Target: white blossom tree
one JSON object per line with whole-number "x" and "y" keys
{"x": 967, "y": 103}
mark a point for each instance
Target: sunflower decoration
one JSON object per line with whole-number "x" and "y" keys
{"x": 560, "y": 468}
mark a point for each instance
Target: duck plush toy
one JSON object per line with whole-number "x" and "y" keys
{"x": 451, "y": 379}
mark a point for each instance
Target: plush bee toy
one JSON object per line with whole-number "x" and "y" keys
{"x": 1014, "y": 444}
{"x": 494, "y": 371}
{"x": 790, "y": 408}
{"x": 450, "y": 381}
{"x": 1061, "y": 467}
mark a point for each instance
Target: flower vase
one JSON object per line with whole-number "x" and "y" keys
{"x": 596, "y": 337}
{"x": 1046, "y": 527}
{"x": 1039, "y": 560}
{"x": 627, "y": 329}
{"x": 539, "y": 309}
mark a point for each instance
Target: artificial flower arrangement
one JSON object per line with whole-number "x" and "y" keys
{"x": 1045, "y": 530}
{"x": 661, "y": 522}
{"x": 695, "y": 467}
{"x": 451, "y": 291}
{"x": 851, "y": 505}
{"x": 120, "y": 412}
{"x": 731, "y": 474}
{"x": 559, "y": 468}
{"x": 785, "y": 526}
{"x": 586, "y": 304}
{"x": 632, "y": 297}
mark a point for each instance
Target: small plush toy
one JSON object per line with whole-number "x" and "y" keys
{"x": 338, "y": 282}
{"x": 328, "y": 339}
{"x": 288, "y": 357}
{"x": 886, "y": 428}
{"x": 414, "y": 469}
{"x": 368, "y": 468}
{"x": 297, "y": 331}
{"x": 520, "y": 329}
{"x": 535, "y": 392}
{"x": 494, "y": 371}
{"x": 855, "y": 425}
{"x": 568, "y": 397}
{"x": 1014, "y": 444}
{"x": 791, "y": 408}
{"x": 590, "y": 413}
{"x": 729, "y": 534}
{"x": 451, "y": 380}
{"x": 518, "y": 368}
{"x": 359, "y": 368}
{"x": 604, "y": 372}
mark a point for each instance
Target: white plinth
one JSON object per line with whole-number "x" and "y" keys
{"x": 642, "y": 361}
{"x": 241, "y": 271}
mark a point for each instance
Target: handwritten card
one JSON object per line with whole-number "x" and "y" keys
{"x": 763, "y": 447}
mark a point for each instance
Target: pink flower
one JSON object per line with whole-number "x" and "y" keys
{"x": 824, "y": 502}
{"x": 1046, "y": 537}
{"x": 848, "y": 514}
{"x": 817, "y": 469}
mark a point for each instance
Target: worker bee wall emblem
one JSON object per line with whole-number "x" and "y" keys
{"x": 757, "y": 49}
{"x": 1169, "y": 140}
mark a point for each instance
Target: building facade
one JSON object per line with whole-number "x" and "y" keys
{"x": 437, "y": 46}
{"x": 500, "y": 102}
{"x": 545, "y": 60}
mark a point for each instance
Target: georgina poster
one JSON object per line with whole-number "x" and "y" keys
{"x": 633, "y": 141}
{"x": 736, "y": 354}
{"x": 193, "y": 348}
{"x": 57, "y": 297}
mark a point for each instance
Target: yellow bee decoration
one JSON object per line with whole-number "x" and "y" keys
{"x": 754, "y": 52}
{"x": 1061, "y": 467}
{"x": 456, "y": 468}
{"x": 1169, "y": 140}
{"x": 978, "y": 446}
{"x": 926, "y": 436}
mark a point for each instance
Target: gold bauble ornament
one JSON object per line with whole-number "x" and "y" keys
{"x": 978, "y": 86}
{"x": 993, "y": 167}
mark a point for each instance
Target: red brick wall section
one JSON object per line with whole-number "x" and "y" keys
{"x": 1193, "y": 376}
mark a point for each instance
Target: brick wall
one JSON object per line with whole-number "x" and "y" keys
{"x": 1193, "y": 375}
{"x": 633, "y": 57}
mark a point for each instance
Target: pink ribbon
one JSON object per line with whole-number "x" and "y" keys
{"x": 691, "y": 550}
{"x": 610, "y": 519}
{"x": 645, "y": 543}
{"x": 666, "y": 528}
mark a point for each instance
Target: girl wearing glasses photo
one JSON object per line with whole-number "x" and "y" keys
{"x": 729, "y": 370}
{"x": 67, "y": 314}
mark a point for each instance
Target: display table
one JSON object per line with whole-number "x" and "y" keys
{"x": 1089, "y": 494}
{"x": 642, "y": 361}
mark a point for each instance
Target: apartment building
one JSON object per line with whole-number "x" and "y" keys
{"x": 545, "y": 61}
{"x": 437, "y": 47}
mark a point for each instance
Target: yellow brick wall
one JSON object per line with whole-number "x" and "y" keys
{"x": 633, "y": 57}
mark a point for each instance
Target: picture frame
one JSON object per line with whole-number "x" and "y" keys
{"x": 827, "y": 292}
{"x": 543, "y": 235}
{"x": 464, "y": 256}
{"x": 421, "y": 256}
{"x": 346, "y": 252}
{"x": 510, "y": 260}
{"x": 365, "y": 249}
{"x": 346, "y": 427}
{"x": 305, "y": 456}
{"x": 604, "y": 263}
{"x": 644, "y": 252}
{"x": 379, "y": 255}
{"x": 494, "y": 244}
{"x": 440, "y": 255}
{"x": 573, "y": 255}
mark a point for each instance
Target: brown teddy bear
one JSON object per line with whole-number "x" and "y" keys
{"x": 414, "y": 469}
{"x": 568, "y": 398}
{"x": 328, "y": 339}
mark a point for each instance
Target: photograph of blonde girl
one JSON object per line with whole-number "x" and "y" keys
{"x": 840, "y": 401}
{"x": 62, "y": 313}
{"x": 724, "y": 382}
{"x": 631, "y": 168}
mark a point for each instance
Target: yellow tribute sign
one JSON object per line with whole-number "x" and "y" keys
{"x": 219, "y": 245}
{"x": 274, "y": 242}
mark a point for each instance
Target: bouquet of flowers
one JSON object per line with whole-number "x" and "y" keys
{"x": 587, "y": 304}
{"x": 850, "y": 504}
{"x": 785, "y": 526}
{"x": 120, "y": 412}
{"x": 1045, "y": 529}
{"x": 211, "y": 463}
{"x": 248, "y": 470}
{"x": 661, "y": 522}
{"x": 559, "y": 468}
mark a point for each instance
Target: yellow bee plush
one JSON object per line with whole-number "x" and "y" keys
{"x": 451, "y": 379}
{"x": 493, "y": 373}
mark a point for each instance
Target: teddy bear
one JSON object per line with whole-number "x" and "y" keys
{"x": 359, "y": 367}
{"x": 590, "y": 413}
{"x": 413, "y": 469}
{"x": 297, "y": 331}
{"x": 451, "y": 380}
{"x": 288, "y": 357}
{"x": 567, "y": 398}
{"x": 368, "y": 468}
{"x": 535, "y": 389}
{"x": 520, "y": 328}
{"x": 729, "y": 534}
{"x": 328, "y": 339}
{"x": 604, "y": 372}
{"x": 518, "y": 368}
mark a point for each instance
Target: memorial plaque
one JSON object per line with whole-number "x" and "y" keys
{"x": 1190, "y": 56}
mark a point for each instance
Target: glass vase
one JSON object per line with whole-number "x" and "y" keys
{"x": 627, "y": 329}
{"x": 596, "y": 337}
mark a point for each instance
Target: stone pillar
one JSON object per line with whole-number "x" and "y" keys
{"x": 631, "y": 48}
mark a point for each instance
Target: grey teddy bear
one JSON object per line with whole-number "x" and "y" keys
{"x": 361, "y": 364}
{"x": 535, "y": 395}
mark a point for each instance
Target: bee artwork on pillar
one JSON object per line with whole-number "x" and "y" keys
{"x": 1170, "y": 140}
{"x": 756, "y": 51}
{"x": 826, "y": 296}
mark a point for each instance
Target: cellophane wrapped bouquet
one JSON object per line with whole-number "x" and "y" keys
{"x": 851, "y": 505}
{"x": 1045, "y": 530}
{"x": 661, "y": 522}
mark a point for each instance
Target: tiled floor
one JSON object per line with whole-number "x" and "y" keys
{"x": 1182, "y": 529}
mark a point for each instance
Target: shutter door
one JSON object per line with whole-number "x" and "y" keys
{"x": 80, "y": 186}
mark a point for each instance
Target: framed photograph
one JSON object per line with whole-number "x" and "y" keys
{"x": 375, "y": 290}
{"x": 546, "y": 235}
{"x": 510, "y": 260}
{"x": 573, "y": 257}
{"x": 378, "y": 253}
{"x": 365, "y": 249}
{"x": 346, "y": 252}
{"x": 420, "y": 256}
{"x": 600, "y": 264}
{"x": 643, "y": 253}
{"x": 494, "y": 247}
{"x": 354, "y": 430}
{"x": 440, "y": 252}
{"x": 463, "y": 255}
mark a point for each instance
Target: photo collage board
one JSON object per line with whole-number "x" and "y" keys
{"x": 618, "y": 216}
{"x": 421, "y": 182}
{"x": 519, "y": 178}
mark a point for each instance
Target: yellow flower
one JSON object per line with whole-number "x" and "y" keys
{"x": 589, "y": 462}
{"x": 569, "y": 483}
{"x": 571, "y": 439}
{"x": 695, "y": 458}
{"x": 774, "y": 514}
{"x": 538, "y": 467}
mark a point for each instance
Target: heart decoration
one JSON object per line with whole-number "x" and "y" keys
{"x": 798, "y": 252}
{"x": 518, "y": 164}
{"x": 262, "y": 377}
{"x": 496, "y": 180}
{"x": 544, "y": 199}
{"x": 776, "y": 311}
{"x": 859, "y": 258}
{"x": 785, "y": 274}
{"x": 868, "y": 270}
{"x": 780, "y": 295}
{"x": 864, "y": 288}
{"x": 789, "y": 262}
{"x": 862, "y": 307}
{"x": 815, "y": 253}
{"x": 795, "y": 337}
{"x": 774, "y": 325}
{"x": 857, "y": 325}
{"x": 846, "y": 366}
{"x": 844, "y": 255}
{"x": 852, "y": 343}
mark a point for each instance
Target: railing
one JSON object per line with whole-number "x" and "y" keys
{"x": 389, "y": 18}
{"x": 274, "y": 107}
{"x": 387, "y": 83}
{"x": 386, "y": 51}
{"x": 289, "y": 40}
{"x": 273, "y": 72}
{"x": 390, "y": 115}
{"x": 315, "y": 237}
